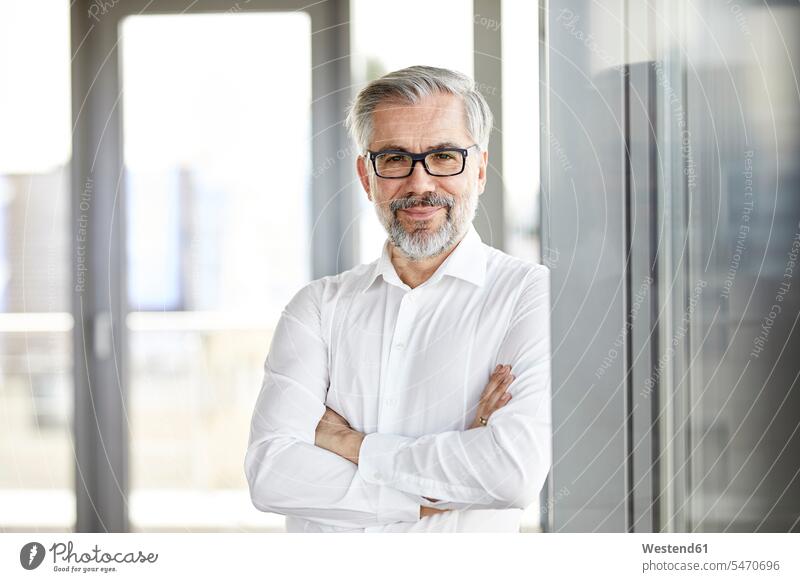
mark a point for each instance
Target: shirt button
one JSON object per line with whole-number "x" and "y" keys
{"x": 377, "y": 475}
{"x": 399, "y": 346}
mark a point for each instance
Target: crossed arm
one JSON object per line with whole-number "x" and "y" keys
{"x": 352, "y": 480}
{"x": 335, "y": 434}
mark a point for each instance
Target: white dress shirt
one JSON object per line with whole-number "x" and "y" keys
{"x": 407, "y": 367}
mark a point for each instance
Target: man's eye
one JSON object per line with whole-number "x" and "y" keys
{"x": 396, "y": 158}
{"x": 445, "y": 156}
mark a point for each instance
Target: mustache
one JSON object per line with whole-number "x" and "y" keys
{"x": 432, "y": 199}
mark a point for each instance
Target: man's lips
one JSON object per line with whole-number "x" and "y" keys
{"x": 420, "y": 212}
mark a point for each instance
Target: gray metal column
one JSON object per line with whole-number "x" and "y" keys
{"x": 334, "y": 237}
{"x": 490, "y": 219}
{"x": 641, "y": 257}
{"x": 98, "y": 275}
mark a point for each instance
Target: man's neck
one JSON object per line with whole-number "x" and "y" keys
{"x": 415, "y": 273}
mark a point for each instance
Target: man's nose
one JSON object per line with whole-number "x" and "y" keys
{"x": 420, "y": 181}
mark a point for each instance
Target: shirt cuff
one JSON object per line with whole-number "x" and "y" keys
{"x": 376, "y": 466}
{"x": 376, "y": 457}
{"x": 396, "y": 505}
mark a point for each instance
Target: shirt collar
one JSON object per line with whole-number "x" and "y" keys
{"x": 467, "y": 262}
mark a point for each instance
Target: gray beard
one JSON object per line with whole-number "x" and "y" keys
{"x": 419, "y": 244}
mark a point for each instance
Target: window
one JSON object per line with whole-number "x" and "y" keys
{"x": 36, "y": 388}
{"x": 217, "y": 157}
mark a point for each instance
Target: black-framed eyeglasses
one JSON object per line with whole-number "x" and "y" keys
{"x": 439, "y": 162}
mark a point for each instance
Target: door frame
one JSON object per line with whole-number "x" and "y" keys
{"x": 99, "y": 300}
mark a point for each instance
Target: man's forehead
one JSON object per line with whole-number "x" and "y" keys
{"x": 434, "y": 122}
{"x": 411, "y": 144}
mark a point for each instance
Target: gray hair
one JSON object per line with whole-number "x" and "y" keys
{"x": 410, "y": 85}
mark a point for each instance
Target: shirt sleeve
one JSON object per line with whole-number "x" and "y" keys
{"x": 286, "y": 472}
{"x": 503, "y": 464}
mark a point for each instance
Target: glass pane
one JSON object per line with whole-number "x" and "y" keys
{"x": 378, "y": 48}
{"x": 217, "y": 157}
{"x": 729, "y": 129}
{"x": 36, "y": 449}
{"x": 521, "y": 126}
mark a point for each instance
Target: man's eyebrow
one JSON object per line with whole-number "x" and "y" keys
{"x": 438, "y": 146}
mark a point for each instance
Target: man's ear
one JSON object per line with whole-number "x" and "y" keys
{"x": 363, "y": 175}
{"x": 482, "y": 171}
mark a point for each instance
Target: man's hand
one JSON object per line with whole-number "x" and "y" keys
{"x": 334, "y": 434}
{"x": 428, "y": 511}
{"x": 494, "y": 396}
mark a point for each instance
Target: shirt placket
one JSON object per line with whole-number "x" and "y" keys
{"x": 397, "y": 364}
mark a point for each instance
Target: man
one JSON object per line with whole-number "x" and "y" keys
{"x": 375, "y": 413}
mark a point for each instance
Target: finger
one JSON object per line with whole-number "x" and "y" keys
{"x": 494, "y": 398}
{"x": 495, "y": 376}
{"x": 496, "y": 379}
{"x": 486, "y": 404}
{"x": 503, "y": 380}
